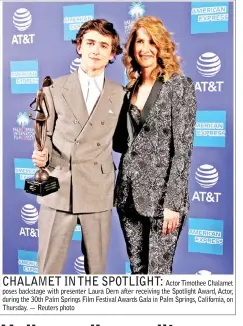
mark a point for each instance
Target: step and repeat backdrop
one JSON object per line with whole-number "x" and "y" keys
{"x": 37, "y": 42}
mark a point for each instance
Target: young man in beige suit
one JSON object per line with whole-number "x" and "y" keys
{"x": 84, "y": 108}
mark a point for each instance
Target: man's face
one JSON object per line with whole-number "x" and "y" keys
{"x": 96, "y": 51}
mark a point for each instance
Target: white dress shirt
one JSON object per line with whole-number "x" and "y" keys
{"x": 91, "y": 88}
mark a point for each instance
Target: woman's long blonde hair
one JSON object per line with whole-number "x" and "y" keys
{"x": 165, "y": 45}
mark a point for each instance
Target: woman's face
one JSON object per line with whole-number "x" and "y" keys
{"x": 145, "y": 50}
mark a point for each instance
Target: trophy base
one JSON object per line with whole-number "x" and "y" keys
{"x": 41, "y": 188}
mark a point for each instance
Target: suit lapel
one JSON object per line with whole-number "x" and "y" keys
{"x": 104, "y": 101}
{"x": 147, "y": 106}
{"x": 73, "y": 94}
{"x": 152, "y": 97}
{"x": 102, "y": 106}
{"x": 130, "y": 127}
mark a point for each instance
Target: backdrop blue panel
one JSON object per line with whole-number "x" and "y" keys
{"x": 37, "y": 43}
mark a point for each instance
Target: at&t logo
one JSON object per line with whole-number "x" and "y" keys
{"x": 75, "y": 65}
{"x": 204, "y": 272}
{"x": 208, "y": 66}
{"x": 29, "y": 215}
{"x": 22, "y": 20}
{"x": 79, "y": 265}
{"x": 207, "y": 177}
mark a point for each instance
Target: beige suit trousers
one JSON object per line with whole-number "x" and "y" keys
{"x": 55, "y": 234}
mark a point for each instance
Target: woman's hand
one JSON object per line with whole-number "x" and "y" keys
{"x": 171, "y": 221}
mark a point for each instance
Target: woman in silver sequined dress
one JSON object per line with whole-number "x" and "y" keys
{"x": 155, "y": 136}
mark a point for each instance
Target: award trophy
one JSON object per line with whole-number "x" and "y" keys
{"x": 42, "y": 183}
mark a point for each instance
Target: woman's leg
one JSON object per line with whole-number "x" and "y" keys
{"x": 162, "y": 247}
{"x": 136, "y": 230}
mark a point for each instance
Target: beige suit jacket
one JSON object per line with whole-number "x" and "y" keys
{"x": 80, "y": 146}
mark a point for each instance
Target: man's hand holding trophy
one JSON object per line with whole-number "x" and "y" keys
{"x": 42, "y": 183}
